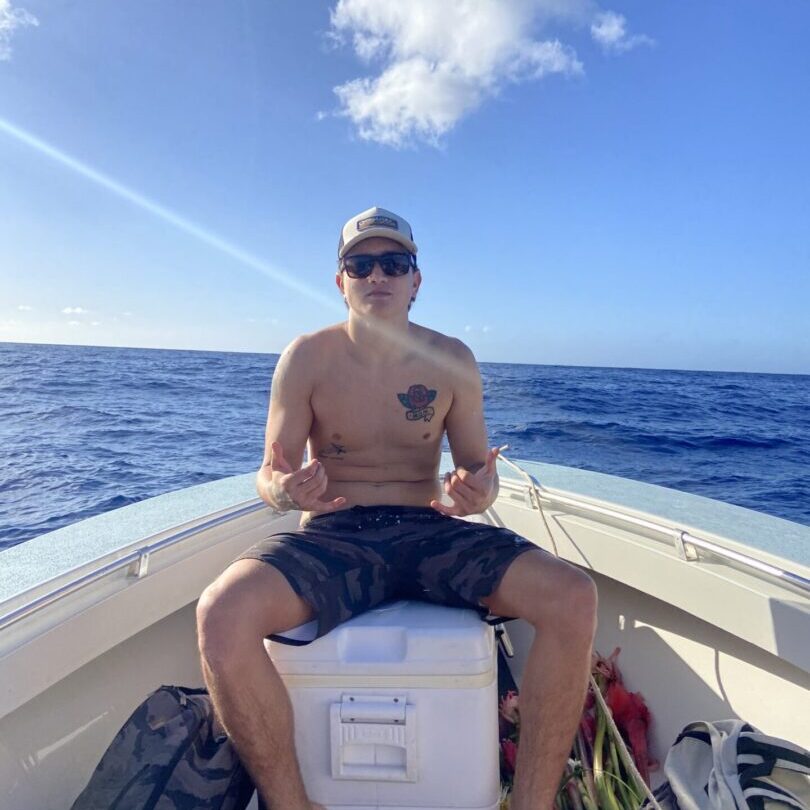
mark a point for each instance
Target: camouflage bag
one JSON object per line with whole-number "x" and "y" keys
{"x": 169, "y": 756}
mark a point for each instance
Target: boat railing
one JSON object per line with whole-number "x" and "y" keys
{"x": 687, "y": 545}
{"x": 685, "y": 542}
{"x": 137, "y": 561}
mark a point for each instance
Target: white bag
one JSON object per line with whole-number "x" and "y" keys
{"x": 729, "y": 765}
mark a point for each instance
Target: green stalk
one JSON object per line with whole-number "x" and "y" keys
{"x": 583, "y": 750}
{"x": 628, "y": 798}
{"x": 588, "y": 803}
{"x": 601, "y": 725}
{"x": 608, "y": 799}
{"x": 599, "y": 739}
{"x": 604, "y": 790}
{"x": 634, "y": 800}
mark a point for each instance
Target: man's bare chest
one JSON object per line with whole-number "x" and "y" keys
{"x": 392, "y": 408}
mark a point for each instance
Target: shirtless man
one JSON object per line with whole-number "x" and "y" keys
{"x": 372, "y": 398}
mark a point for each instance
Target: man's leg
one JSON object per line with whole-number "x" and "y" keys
{"x": 249, "y": 601}
{"x": 560, "y": 602}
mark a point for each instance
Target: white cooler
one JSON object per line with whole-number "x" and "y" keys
{"x": 396, "y": 708}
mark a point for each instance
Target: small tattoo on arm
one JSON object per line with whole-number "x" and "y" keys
{"x": 333, "y": 451}
{"x": 417, "y": 401}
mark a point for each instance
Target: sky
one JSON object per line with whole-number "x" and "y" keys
{"x": 606, "y": 184}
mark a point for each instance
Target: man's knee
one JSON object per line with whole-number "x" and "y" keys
{"x": 220, "y": 634}
{"x": 572, "y": 611}
{"x": 248, "y": 602}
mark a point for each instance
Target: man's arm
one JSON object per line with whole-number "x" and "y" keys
{"x": 473, "y": 486}
{"x": 281, "y": 481}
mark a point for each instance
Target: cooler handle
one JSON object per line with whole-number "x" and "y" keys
{"x": 379, "y": 752}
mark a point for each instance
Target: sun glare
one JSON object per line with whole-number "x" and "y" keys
{"x": 190, "y": 228}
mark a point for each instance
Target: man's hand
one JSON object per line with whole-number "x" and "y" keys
{"x": 471, "y": 492}
{"x": 299, "y": 489}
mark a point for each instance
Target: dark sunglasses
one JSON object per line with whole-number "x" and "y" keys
{"x": 392, "y": 264}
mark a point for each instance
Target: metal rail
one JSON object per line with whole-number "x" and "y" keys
{"x": 720, "y": 551}
{"x": 686, "y": 544}
{"x": 138, "y": 558}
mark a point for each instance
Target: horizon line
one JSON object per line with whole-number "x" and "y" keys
{"x": 480, "y": 362}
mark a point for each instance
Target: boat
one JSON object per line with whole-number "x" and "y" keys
{"x": 709, "y": 603}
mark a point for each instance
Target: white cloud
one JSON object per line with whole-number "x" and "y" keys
{"x": 10, "y": 20}
{"x": 74, "y": 311}
{"x": 609, "y": 29}
{"x": 24, "y": 308}
{"x": 74, "y": 323}
{"x": 96, "y": 323}
{"x": 441, "y": 59}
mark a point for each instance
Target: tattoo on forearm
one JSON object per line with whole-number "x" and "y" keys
{"x": 417, "y": 401}
{"x": 333, "y": 451}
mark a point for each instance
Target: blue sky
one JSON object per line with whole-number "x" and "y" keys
{"x": 624, "y": 184}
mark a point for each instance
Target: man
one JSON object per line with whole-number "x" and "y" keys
{"x": 372, "y": 398}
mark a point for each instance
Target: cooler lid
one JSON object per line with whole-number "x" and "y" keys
{"x": 397, "y": 638}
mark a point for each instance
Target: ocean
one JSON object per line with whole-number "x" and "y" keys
{"x": 88, "y": 429}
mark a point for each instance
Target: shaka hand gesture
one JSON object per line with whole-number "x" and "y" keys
{"x": 299, "y": 489}
{"x": 471, "y": 492}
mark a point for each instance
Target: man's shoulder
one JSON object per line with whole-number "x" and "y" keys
{"x": 309, "y": 346}
{"x": 445, "y": 345}
{"x": 305, "y": 360}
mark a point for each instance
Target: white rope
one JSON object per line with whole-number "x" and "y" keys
{"x": 534, "y": 489}
{"x": 621, "y": 745}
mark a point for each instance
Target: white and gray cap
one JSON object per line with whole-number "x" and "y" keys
{"x": 375, "y": 221}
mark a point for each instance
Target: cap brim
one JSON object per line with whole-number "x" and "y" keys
{"x": 385, "y": 233}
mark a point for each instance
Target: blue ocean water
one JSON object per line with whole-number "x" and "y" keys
{"x": 87, "y": 429}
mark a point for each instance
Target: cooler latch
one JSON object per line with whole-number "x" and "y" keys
{"x": 372, "y": 709}
{"x": 373, "y": 737}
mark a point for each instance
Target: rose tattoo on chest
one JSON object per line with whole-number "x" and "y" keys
{"x": 417, "y": 401}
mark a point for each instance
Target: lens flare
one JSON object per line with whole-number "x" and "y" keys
{"x": 161, "y": 212}
{"x": 392, "y": 335}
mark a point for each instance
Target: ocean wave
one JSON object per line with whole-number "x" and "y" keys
{"x": 97, "y": 429}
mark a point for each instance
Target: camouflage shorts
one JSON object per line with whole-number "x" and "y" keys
{"x": 346, "y": 562}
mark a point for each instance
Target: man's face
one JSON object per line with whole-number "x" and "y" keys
{"x": 378, "y": 294}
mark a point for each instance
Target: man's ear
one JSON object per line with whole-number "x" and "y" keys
{"x": 339, "y": 281}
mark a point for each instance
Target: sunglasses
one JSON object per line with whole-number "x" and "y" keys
{"x": 392, "y": 264}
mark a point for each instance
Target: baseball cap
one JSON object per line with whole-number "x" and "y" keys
{"x": 375, "y": 221}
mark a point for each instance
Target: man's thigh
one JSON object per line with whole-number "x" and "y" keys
{"x": 251, "y": 598}
{"x": 461, "y": 563}
{"x": 543, "y": 589}
{"x": 332, "y": 570}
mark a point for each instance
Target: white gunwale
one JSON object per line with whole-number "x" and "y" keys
{"x": 629, "y": 546}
